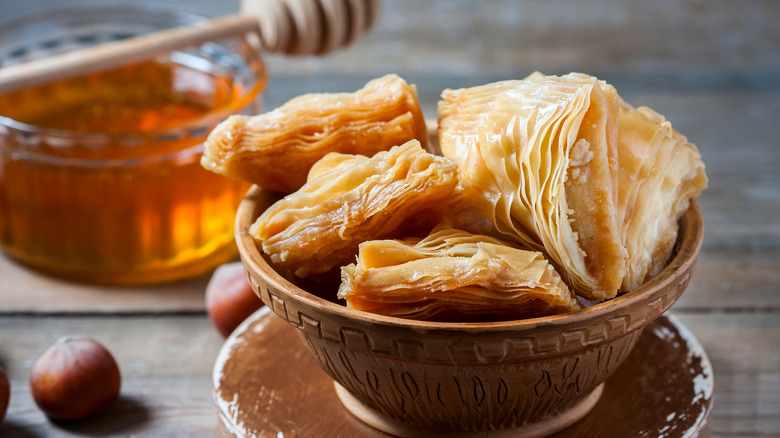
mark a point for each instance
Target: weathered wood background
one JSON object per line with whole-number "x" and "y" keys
{"x": 711, "y": 67}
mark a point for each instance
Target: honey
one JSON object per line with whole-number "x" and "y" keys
{"x": 100, "y": 179}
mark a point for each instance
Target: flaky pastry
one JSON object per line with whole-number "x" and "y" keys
{"x": 660, "y": 171}
{"x": 453, "y": 275}
{"x": 539, "y": 158}
{"x": 276, "y": 149}
{"x": 395, "y": 193}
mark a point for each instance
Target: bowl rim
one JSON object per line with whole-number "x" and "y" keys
{"x": 690, "y": 237}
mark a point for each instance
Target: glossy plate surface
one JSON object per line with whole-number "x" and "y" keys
{"x": 267, "y": 384}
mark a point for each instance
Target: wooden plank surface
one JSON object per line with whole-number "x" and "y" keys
{"x": 727, "y": 279}
{"x": 711, "y": 67}
{"x": 166, "y": 363}
{"x": 26, "y": 291}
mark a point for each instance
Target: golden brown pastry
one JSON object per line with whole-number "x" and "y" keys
{"x": 660, "y": 171}
{"x": 333, "y": 161}
{"x": 276, "y": 149}
{"x": 539, "y": 158}
{"x": 395, "y": 193}
{"x": 453, "y": 275}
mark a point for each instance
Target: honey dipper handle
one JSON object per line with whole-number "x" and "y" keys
{"x": 296, "y": 27}
{"x": 118, "y": 53}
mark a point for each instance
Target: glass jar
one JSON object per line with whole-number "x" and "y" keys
{"x": 100, "y": 176}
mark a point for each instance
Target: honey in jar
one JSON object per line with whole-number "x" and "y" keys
{"x": 100, "y": 179}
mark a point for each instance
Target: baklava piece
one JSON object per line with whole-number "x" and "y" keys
{"x": 396, "y": 193}
{"x": 276, "y": 149}
{"x": 539, "y": 158}
{"x": 453, "y": 275}
{"x": 660, "y": 171}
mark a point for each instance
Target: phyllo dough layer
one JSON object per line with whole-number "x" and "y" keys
{"x": 396, "y": 193}
{"x": 276, "y": 149}
{"x": 660, "y": 171}
{"x": 539, "y": 158}
{"x": 453, "y": 275}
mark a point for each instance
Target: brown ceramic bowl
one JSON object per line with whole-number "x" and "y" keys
{"x": 521, "y": 378}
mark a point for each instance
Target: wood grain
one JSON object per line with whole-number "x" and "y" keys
{"x": 166, "y": 363}
{"x": 701, "y": 42}
{"x": 743, "y": 350}
{"x": 711, "y": 67}
{"x": 26, "y": 291}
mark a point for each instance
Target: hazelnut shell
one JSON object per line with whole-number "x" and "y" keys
{"x": 74, "y": 378}
{"x": 5, "y": 393}
{"x": 229, "y": 298}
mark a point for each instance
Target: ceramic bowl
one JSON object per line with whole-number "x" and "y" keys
{"x": 524, "y": 378}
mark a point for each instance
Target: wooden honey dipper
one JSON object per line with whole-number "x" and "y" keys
{"x": 295, "y": 27}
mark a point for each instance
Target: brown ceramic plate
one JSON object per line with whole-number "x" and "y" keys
{"x": 266, "y": 384}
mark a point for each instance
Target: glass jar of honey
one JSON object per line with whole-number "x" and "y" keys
{"x": 100, "y": 176}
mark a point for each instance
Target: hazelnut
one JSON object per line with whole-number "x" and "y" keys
{"x": 74, "y": 378}
{"x": 229, "y": 298}
{"x": 5, "y": 393}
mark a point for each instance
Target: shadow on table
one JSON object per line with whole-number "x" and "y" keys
{"x": 119, "y": 417}
{"x": 9, "y": 429}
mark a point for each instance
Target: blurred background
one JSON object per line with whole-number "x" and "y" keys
{"x": 711, "y": 67}
{"x": 664, "y": 45}
{"x": 678, "y": 57}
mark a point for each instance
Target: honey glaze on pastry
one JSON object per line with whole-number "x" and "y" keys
{"x": 276, "y": 149}
{"x": 453, "y": 275}
{"x": 333, "y": 161}
{"x": 395, "y": 193}
{"x": 660, "y": 171}
{"x": 539, "y": 158}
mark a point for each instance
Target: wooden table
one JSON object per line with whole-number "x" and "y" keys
{"x": 712, "y": 68}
